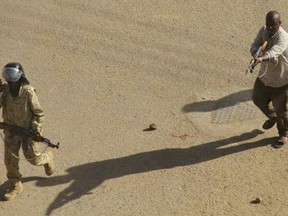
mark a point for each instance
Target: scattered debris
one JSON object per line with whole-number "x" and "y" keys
{"x": 153, "y": 126}
{"x": 183, "y": 136}
{"x": 257, "y": 200}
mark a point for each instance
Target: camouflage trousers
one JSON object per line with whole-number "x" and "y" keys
{"x": 32, "y": 151}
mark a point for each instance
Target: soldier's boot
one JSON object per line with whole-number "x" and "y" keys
{"x": 15, "y": 189}
{"x": 50, "y": 166}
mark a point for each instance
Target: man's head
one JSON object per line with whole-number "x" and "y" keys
{"x": 13, "y": 73}
{"x": 273, "y": 22}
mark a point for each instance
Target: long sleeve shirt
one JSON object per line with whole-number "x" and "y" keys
{"x": 273, "y": 73}
{"x": 23, "y": 110}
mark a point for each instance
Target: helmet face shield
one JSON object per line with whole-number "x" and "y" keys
{"x": 11, "y": 74}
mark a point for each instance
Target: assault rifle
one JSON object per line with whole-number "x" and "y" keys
{"x": 26, "y": 133}
{"x": 252, "y": 63}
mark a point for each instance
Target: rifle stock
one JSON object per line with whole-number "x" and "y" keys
{"x": 28, "y": 134}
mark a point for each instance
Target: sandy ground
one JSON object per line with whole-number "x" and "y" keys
{"x": 105, "y": 70}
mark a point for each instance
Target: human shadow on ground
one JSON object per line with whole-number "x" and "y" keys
{"x": 84, "y": 178}
{"x": 227, "y": 101}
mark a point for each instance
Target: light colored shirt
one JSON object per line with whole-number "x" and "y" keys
{"x": 23, "y": 110}
{"x": 273, "y": 73}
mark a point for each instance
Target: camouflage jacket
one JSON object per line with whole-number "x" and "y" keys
{"x": 23, "y": 110}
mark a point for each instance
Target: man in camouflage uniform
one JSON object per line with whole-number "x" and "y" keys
{"x": 21, "y": 107}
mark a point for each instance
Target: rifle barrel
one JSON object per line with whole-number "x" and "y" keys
{"x": 28, "y": 133}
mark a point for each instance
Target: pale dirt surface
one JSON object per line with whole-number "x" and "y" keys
{"x": 105, "y": 70}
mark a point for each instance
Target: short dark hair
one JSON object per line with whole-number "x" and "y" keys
{"x": 274, "y": 14}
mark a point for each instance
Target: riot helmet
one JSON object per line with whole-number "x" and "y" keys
{"x": 14, "y": 72}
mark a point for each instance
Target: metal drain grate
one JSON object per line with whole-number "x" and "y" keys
{"x": 236, "y": 113}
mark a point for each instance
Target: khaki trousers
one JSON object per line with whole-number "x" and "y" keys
{"x": 32, "y": 151}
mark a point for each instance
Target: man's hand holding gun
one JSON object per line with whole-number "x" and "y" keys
{"x": 256, "y": 58}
